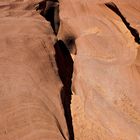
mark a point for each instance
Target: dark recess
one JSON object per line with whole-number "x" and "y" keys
{"x": 42, "y": 6}
{"x": 50, "y": 11}
{"x": 133, "y": 31}
{"x": 50, "y": 15}
{"x": 65, "y": 70}
{"x": 70, "y": 43}
{"x": 63, "y": 59}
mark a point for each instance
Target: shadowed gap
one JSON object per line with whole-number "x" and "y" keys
{"x": 50, "y": 11}
{"x": 63, "y": 59}
{"x": 65, "y": 70}
{"x": 70, "y": 43}
{"x": 133, "y": 31}
{"x": 51, "y": 15}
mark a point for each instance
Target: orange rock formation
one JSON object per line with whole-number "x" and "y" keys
{"x": 47, "y": 45}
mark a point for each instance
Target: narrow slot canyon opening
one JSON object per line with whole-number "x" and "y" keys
{"x": 65, "y": 70}
{"x": 132, "y": 30}
{"x": 50, "y": 11}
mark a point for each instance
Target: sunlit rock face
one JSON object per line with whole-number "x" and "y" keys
{"x": 36, "y": 69}
{"x": 30, "y": 103}
{"x": 106, "y": 78}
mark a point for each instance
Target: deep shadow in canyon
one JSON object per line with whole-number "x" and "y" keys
{"x": 50, "y": 11}
{"x": 70, "y": 43}
{"x": 65, "y": 70}
{"x": 132, "y": 30}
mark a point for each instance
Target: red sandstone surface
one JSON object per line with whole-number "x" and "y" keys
{"x": 51, "y": 49}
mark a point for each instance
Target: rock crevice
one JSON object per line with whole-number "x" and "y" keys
{"x": 132, "y": 30}
{"x": 50, "y": 11}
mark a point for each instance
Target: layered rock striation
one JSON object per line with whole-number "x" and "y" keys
{"x": 51, "y": 49}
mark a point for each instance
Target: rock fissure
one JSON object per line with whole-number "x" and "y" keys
{"x": 65, "y": 70}
{"x": 132, "y": 30}
{"x": 50, "y": 11}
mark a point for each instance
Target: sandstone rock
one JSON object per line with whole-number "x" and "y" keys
{"x": 30, "y": 102}
{"x": 106, "y": 68}
{"x": 36, "y": 69}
